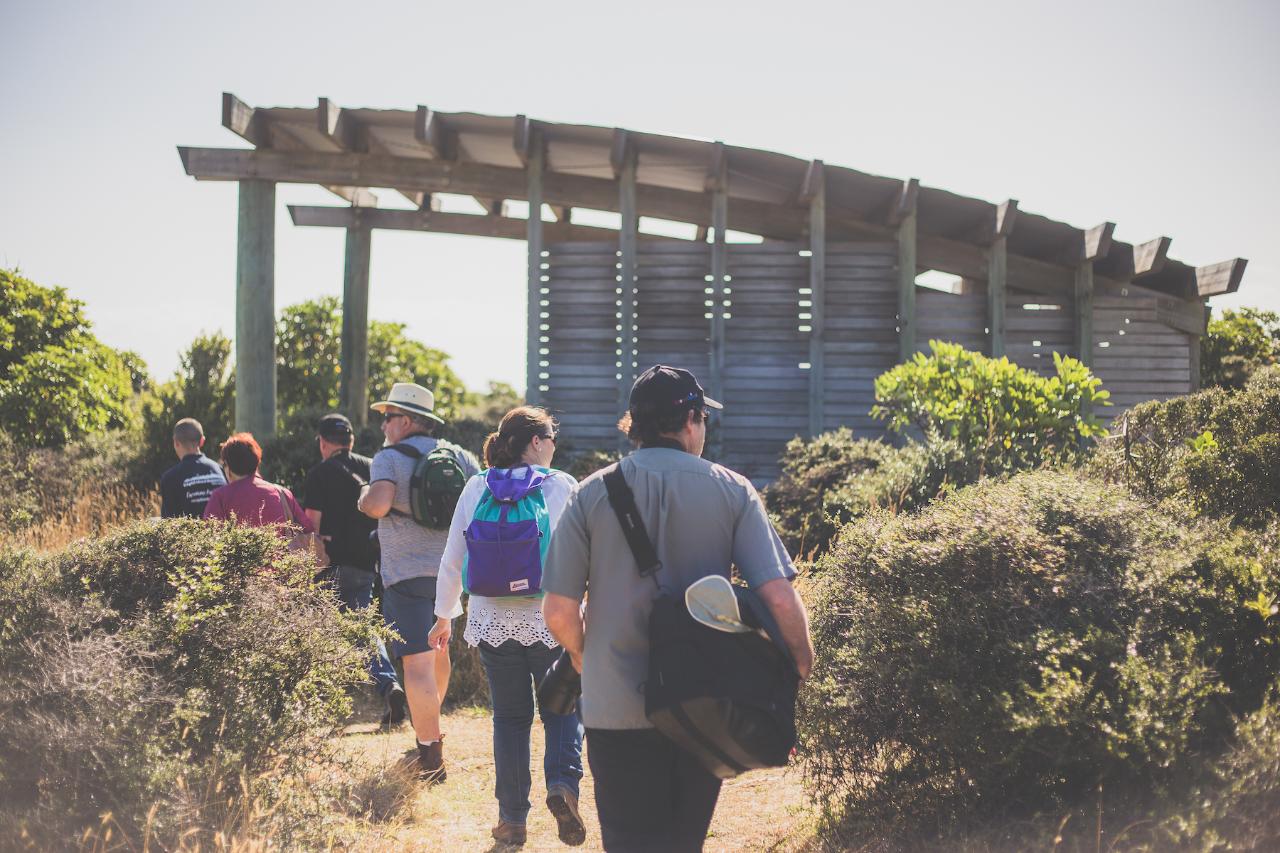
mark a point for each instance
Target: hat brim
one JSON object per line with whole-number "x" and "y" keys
{"x": 381, "y": 406}
{"x": 711, "y": 404}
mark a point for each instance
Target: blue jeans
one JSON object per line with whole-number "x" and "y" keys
{"x": 355, "y": 591}
{"x": 513, "y": 670}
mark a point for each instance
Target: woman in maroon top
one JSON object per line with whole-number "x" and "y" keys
{"x": 247, "y": 498}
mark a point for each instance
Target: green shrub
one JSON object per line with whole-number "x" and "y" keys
{"x": 1217, "y": 450}
{"x": 1000, "y": 654}
{"x": 158, "y": 666}
{"x": 1236, "y": 344}
{"x": 829, "y": 480}
{"x": 1003, "y": 417}
{"x": 57, "y": 381}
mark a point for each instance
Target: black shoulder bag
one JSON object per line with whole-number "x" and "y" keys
{"x": 727, "y": 699}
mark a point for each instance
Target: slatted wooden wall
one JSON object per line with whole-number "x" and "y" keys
{"x": 769, "y": 308}
{"x": 957, "y": 317}
{"x": 861, "y": 339}
{"x": 766, "y": 389}
{"x": 580, "y": 289}
{"x": 1037, "y": 326}
{"x": 1136, "y": 356}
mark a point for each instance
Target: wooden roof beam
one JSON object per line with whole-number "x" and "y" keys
{"x": 244, "y": 121}
{"x": 561, "y": 212}
{"x": 995, "y": 223}
{"x": 1217, "y": 279}
{"x": 445, "y": 223}
{"x": 718, "y": 169}
{"x": 903, "y": 204}
{"x": 525, "y": 136}
{"x": 811, "y": 185}
{"x": 344, "y": 133}
{"x": 1144, "y": 259}
{"x": 1091, "y": 244}
{"x": 429, "y": 129}
{"x": 623, "y": 147}
{"x": 491, "y": 206}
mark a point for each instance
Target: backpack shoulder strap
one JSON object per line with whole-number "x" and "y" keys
{"x": 407, "y": 449}
{"x": 623, "y": 501}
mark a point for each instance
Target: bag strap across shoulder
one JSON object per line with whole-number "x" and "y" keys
{"x": 623, "y": 501}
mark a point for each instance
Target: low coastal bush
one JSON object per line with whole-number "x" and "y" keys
{"x": 164, "y": 675}
{"x": 998, "y": 656}
{"x": 1218, "y": 450}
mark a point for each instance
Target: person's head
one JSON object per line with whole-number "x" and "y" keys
{"x": 526, "y": 435}
{"x": 335, "y": 434}
{"x": 188, "y": 437}
{"x": 408, "y": 410}
{"x": 241, "y": 456}
{"x": 668, "y": 403}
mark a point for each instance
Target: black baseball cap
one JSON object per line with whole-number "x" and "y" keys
{"x": 664, "y": 387}
{"x": 334, "y": 427}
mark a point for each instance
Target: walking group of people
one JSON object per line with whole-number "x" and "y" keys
{"x": 548, "y": 573}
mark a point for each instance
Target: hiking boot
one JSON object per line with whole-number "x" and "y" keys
{"x": 397, "y": 706}
{"x": 509, "y": 833}
{"x": 431, "y": 762}
{"x": 564, "y": 807}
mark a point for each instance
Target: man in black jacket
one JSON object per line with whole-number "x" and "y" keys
{"x": 185, "y": 488}
{"x": 332, "y": 489}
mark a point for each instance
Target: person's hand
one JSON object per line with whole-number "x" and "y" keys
{"x": 440, "y": 633}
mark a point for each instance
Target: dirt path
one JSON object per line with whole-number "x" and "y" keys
{"x": 764, "y": 810}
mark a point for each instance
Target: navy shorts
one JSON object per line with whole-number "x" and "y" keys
{"x": 409, "y": 608}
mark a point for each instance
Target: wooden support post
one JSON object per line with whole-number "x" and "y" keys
{"x": 907, "y": 286}
{"x": 818, "y": 299}
{"x": 718, "y": 183}
{"x": 627, "y": 275}
{"x": 354, "y": 367}
{"x": 997, "y": 285}
{"x": 1084, "y": 312}
{"x": 533, "y": 341}
{"x": 256, "y": 310}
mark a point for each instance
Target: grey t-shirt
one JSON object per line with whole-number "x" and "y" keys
{"x": 702, "y": 518}
{"x": 409, "y": 550}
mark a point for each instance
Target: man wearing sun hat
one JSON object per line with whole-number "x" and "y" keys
{"x": 411, "y": 559}
{"x": 702, "y": 518}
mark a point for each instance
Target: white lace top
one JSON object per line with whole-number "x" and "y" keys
{"x": 495, "y": 620}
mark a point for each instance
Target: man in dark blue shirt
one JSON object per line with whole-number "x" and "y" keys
{"x": 185, "y": 488}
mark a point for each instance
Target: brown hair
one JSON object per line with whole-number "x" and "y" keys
{"x": 649, "y": 427}
{"x": 241, "y": 454}
{"x": 503, "y": 449}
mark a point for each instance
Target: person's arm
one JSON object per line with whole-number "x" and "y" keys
{"x": 563, "y": 616}
{"x": 300, "y": 516}
{"x": 314, "y": 516}
{"x": 564, "y": 579}
{"x": 376, "y": 498}
{"x": 449, "y": 578}
{"x": 788, "y": 610}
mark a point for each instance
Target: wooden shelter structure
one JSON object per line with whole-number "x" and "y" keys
{"x": 790, "y": 332}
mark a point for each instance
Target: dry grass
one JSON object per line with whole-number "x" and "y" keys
{"x": 764, "y": 810}
{"x": 92, "y": 512}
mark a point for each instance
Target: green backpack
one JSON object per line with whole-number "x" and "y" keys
{"x": 436, "y": 483}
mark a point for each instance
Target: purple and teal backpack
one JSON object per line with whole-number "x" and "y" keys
{"x": 508, "y": 535}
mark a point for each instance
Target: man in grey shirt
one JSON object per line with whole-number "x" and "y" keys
{"x": 702, "y": 519}
{"x": 410, "y": 562}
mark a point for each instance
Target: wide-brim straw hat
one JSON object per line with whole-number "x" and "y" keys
{"x": 410, "y": 398}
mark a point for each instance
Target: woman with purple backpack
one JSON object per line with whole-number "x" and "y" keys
{"x": 495, "y": 552}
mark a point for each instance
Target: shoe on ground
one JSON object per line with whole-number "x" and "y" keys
{"x": 564, "y": 807}
{"x": 509, "y": 833}
{"x": 431, "y": 762}
{"x": 397, "y": 706}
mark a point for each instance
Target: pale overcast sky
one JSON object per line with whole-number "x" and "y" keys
{"x": 1163, "y": 117}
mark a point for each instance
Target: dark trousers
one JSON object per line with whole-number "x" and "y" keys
{"x": 650, "y": 794}
{"x": 513, "y": 669}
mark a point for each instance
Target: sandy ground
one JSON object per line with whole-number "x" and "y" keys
{"x": 763, "y": 810}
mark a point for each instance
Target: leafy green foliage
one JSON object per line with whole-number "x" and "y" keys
{"x": 203, "y": 388}
{"x": 834, "y": 478}
{"x": 1002, "y": 416}
{"x": 1236, "y": 345}
{"x": 163, "y": 661}
{"x": 309, "y": 351}
{"x": 997, "y": 656}
{"x": 57, "y": 381}
{"x": 1217, "y": 451}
